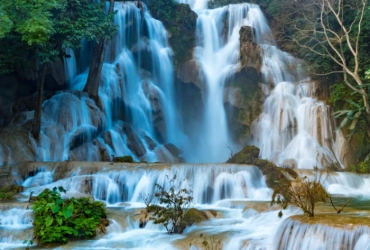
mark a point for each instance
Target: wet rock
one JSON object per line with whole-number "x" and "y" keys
{"x": 246, "y": 156}
{"x": 194, "y": 215}
{"x": 82, "y": 135}
{"x": 133, "y": 141}
{"x": 15, "y": 145}
{"x": 190, "y": 72}
{"x": 250, "y": 53}
{"x": 85, "y": 152}
{"x": 150, "y": 142}
{"x": 289, "y": 163}
{"x": 175, "y": 151}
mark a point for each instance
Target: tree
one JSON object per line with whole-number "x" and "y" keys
{"x": 303, "y": 193}
{"x": 174, "y": 214}
{"x": 96, "y": 64}
{"x": 332, "y": 29}
{"x": 44, "y": 29}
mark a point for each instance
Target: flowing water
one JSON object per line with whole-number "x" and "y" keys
{"x": 235, "y": 197}
{"x": 137, "y": 115}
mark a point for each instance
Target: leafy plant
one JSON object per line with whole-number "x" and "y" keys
{"x": 8, "y": 192}
{"x": 29, "y": 243}
{"x": 58, "y": 219}
{"x": 172, "y": 209}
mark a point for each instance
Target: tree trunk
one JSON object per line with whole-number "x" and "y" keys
{"x": 96, "y": 64}
{"x": 36, "y": 124}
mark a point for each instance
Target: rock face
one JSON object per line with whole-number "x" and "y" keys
{"x": 190, "y": 72}
{"x": 243, "y": 100}
{"x": 180, "y": 21}
{"x": 250, "y": 53}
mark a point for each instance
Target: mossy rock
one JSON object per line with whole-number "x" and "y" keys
{"x": 195, "y": 215}
{"x": 127, "y": 158}
{"x": 274, "y": 175}
{"x": 246, "y": 156}
{"x": 7, "y": 193}
{"x": 180, "y": 21}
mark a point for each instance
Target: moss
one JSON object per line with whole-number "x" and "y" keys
{"x": 180, "y": 22}
{"x": 195, "y": 215}
{"x": 246, "y": 156}
{"x": 7, "y": 193}
{"x": 274, "y": 175}
{"x": 127, "y": 158}
{"x": 334, "y": 220}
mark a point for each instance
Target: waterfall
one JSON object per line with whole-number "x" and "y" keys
{"x": 136, "y": 87}
{"x": 293, "y": 234}
{"x": 209, "y": 183}
{"x": 294, "y": 126}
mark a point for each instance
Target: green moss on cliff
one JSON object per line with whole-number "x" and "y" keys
{"x": 275, "y": 177}
{"x": 180, "y": 22}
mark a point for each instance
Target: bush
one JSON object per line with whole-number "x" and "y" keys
{"x": 58, "y": 219}
{"x": 303, "y": 193}
{"x": 173, "y": 214}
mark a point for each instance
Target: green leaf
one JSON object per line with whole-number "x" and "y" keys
{"x": 48, "y": 221}
{"x": 55, "y": 209}
{"x": 68, "y": 211}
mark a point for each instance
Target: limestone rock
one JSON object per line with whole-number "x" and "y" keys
{"x": 190, "y": 72}
{"x": 250, "y": 53}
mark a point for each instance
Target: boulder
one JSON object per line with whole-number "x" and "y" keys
{"x": 195, "y": 215}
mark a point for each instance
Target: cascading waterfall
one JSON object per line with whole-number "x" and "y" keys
{"x": 218, "y": 58}
{"x": 294, "y": 127}
{"x": 136, "y": 87}
{"x": 209, "y": 183}
{"x": 296, "y": 235}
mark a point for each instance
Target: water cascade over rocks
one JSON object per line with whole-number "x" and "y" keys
{"x": 294, "y": 127}
{"x": 137, "y": 113}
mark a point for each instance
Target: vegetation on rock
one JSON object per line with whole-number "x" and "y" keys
{"x": 274, "y": 176}
{"x": 7, "y": 193}
{"x": 33, "y": 34}
{"x": 173, "y": 210}
{"x": 180, "y": 22}
{"x": 57, "y": 220}
{"x": 127, "y": 158}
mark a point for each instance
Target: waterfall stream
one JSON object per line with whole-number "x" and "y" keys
{"x": 235, "y": 197}
{"x": 138, "y": 115}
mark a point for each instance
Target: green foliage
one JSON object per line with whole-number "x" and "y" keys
{"x": 180, "y": 22}
{"x": 7, "y": 193}
{"x": 172, "y": 209}
{"x": 28, "y": 242}
{"x": 127, "y": 158}
{"x": 58, "y": 219}
{"x": 33, "y": 33}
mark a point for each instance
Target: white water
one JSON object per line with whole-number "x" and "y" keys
{"x": 74, "y": 127}
{"x": 236, "y": 193}
{"x": 209, "y": 183}
{"x": 293, "y": 127}
{"x": 294, "y": 235}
